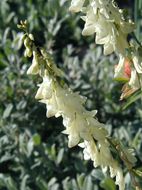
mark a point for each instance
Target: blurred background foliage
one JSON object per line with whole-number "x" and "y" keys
{"x": 33, "y": 151}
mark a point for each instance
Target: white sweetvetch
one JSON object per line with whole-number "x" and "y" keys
{"x": 104, "y": 154}
{"x": 98, "y": 5}
{"x": 76, "y": 5}
{"x": 137, "y": 63}
{"x": 130, "y": 156}
{"x": 90, "y": 23}
{"x": 69, "y": 103}
{"x": 71, "y": 109}
{"x": 45, "y": 89}
{"x": 134, "y": 80}
{"x": 105, "y": 19}
{"x": 34, "y": 68}
{"x": 106, "y": 35}
{"x": 121, "y": 43}
{"x": 97, "y": 23}
{"x": 51, "y": 105}
{"x": 116, "y": 171}
{"x": 79, "y": 123}
{"x": 90, "y": 151}
{"x": 102, "y": 157}
{"x": 119, "y": 70}
{"x": 73, "y": 130}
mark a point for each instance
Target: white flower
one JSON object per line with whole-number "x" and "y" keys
{"x": 96, "y": 129}
{"x": 106, "y": 34}
{"x": 137, "y": 63}
{"x": 86, "y": 151}
{"x": 34, "y": 68}
{"x": 73, "y": 135}
{"x": 90, "y": 151}
{"x": 106, "y": 20}
{"x": 69, "y": 103}
{"x": 90, "y": 22}
{"x": 101, "y": 6}
{"x": 127, "y": 27}
{"x": 105, "y": 155}
{"x": 76, "y": 5}
{"x": 130, "y": 156}
{"x": 120, "y": 70}
{"x": 134, "y": 81}
{"x": 45, "y": 89}
{"x": 111, "y": 37}
{"x": 120, "y": 179}
{"x": 51, "y": 105}
{"x": 116, "y": 171}
{"x": 76, "y": 128}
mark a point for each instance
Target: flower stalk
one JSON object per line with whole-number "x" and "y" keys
{"x": 81, "y": 125}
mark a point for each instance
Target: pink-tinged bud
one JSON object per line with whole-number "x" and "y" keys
{"x": 123, "y": 70}
{"x": 127, "y": 67}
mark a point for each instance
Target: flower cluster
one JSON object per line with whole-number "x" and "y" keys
{"x": 105, "y": 19}
{"x": 81, "y": 126}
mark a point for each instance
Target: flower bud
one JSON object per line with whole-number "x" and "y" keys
{"x": 137, "y": 64}
{"x": 31, "y": 37}
{"x": 76, "y": 5}
{"x": 45, "y": 89}
{"x": 34, "y": 68}
{"x": 28, "y": 52}
{"x": 27, "y": 42}
{"x": 123, "y": 70}
{"x": 134, "y": 80}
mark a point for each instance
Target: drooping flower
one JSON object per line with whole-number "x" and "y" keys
{"x": 90, "y": 23}
{"x": 116, "y": 171}
{"x": 123, "y": 69}
{"x": 80, "y": 124}
{"x": 76, "y": 5}
{"x": 137, "y": 60}
{"x": 106, "y": 20}
{"x": 134, "y": 80}
{"x": 34, "y": 68}
{"x": 45, "y": 89}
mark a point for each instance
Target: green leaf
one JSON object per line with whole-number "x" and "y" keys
{"x": 23, "y": 184}
{"x": 52, "y": 181}
{"x": 80, "y": 180}
{"x": 97, "y": 174}
{"x": 41, "y": 184}
{"x": 21, "y": 105}
{"x": 137, "y": 95}
{"x": 60, "y": 155}
{"x": 30, "y": 147}
{"x": 7, "y": 111}
{"x": 138, "y": 173}
{"x": 10, "y": 184}
{"x": 5, "y": 157}
{"x": 88, "y": 183}
{"x": 74, "y": 184}
{"x": 36, "y": 139}
{"x": 108, "y": 184}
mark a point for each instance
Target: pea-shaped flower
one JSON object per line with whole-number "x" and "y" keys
{"x": 34, "y": 68}
{"x": 76, "y": 5}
